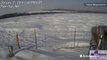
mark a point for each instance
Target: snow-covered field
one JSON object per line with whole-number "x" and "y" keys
{"x": 53, "y": 31}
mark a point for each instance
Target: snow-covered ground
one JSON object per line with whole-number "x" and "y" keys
{"x": 44, "y": 54}
{"x": 55, "y": 33}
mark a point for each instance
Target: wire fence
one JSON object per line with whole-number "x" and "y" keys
{"x": 58, "y": 39}
{"x": 46, "y": 39}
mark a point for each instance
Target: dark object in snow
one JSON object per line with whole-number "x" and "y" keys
{"x": 99, "y": 38}
{"x": 10, "y": 48}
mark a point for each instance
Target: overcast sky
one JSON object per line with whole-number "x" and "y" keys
{"x": 55, "y": 4}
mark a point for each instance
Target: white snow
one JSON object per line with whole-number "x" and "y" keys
{"x": 71, "y": 45}
{"x": 53, "y": 31}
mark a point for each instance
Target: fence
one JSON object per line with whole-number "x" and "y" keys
{"x": 63, "y": 39}
{"x": 48, "y": 39}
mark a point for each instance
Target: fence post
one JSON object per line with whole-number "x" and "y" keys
{"x": 17, "y": 40}
{"x": 35, "y": 39}
{"x": 10, "y": 48}
{"x": 74, "y": 37}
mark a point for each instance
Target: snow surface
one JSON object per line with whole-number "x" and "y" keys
{"x": 55, "y": 34}
{"x": 42, "y": 54}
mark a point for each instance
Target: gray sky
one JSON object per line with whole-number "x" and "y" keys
{"x": 74, "y": 4}
{"x": 55, "y": 4}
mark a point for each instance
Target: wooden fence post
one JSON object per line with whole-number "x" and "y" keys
{"x": 74, "y": 37}
{"x": 35, "y": 39}
{"x": 17, "y": 40}
{"x": 10, "y": 48}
